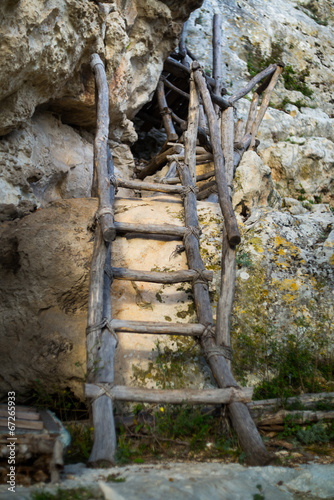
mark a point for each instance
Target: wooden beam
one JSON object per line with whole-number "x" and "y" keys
{"x": 175, "y": 396}
{"x": 149, "y": 186}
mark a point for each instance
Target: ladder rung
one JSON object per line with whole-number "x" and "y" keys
{"x": 159, "y": 277}
{"x": 165, "y": 229}
{"x": 155, "y": 328}
{"x": 175, "y": 396}
{"x": 148, "y": 186}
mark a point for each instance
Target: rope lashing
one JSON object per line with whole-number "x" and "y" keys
{"x": 114, "y": 182}
{"x": 200, "y": 277}
{"x": 109, "y": 273}
{"x": 105, "y": 391}
{"x": 166, "y": 111}
{"x": 192, "y": 230}
{"x": 104, "y": 211}
{"x": 189, "y": 189}
{"x": 219, "y": 350}
{"x": 209, "y": 332}
{"x": 99, "y": 326}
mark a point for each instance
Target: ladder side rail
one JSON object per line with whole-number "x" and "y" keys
{"x": 101, "y": 342}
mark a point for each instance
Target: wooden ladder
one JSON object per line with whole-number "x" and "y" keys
{"x": 102, "y": 328}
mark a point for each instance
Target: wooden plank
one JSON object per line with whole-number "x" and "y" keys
{"x": 257, "y": 78}
{"x": 100, "y": 149}
{"x": 264, "y": 104}
{"x": 175, "y": 396}
{"x": 182, "y": 276}
{"x": 149, "y": 186}
{"x": 21, "y": 414}
{"x": 163, "y": 230}
{"x": 23, "y": 423}
{"x": 156, "y": 328}
{"x": 223, "y": 194}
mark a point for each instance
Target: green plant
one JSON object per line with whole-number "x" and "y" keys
{"x": 243, "y": 260}
{"x": 65, "y": 494}
{"x": 115, "y": 478}
{"x": 316, "y": 433}
{"x": 81, "y": 442}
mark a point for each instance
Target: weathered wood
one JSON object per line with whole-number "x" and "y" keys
{"x": 264, "y": 104}
{"x": 217, "y": 56}
{"x": 297, "y": 417}
{"x": 149, "y": 186}
{"x": 163, "y": 230}
{"x": 166, "y": 113}
{"x": 180, "y": 70}
{"x": 248, "y": 435}
{"x": 100, "y": 343}
{"x": 155, "y": 328}
{"x": 22, "y": 423}
{"x": 175, "y": 396}
{"x": 182, "y": 46}
{"x": 105, "y": 213}
{"x": 257, "y": 78}
{"x": 201, "y": 177}
{"x": 168, "y": 84}
{"x": 223, "y": 193}
{"x": 307, "y": 400}
{"x": 238, "y": 132}
{"x": 220, "y": 101}
{"x": 228, "y": 273}
{"x": 190, "y": 136}
{"x": 122, "y": 273}
{"x": 252, "y": 113}
{"x": 158, "y": 161}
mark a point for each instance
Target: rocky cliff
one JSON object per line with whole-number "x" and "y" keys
{"x": 283, "y": 192}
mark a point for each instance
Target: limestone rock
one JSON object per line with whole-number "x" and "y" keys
{"x": 288, "y": 290}
{"x": 253, "y": 185}
{"x": 43, "y": 161}
{"x": 45, "y": 51}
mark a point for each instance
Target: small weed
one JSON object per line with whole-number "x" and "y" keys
{"x": 114, "y": 478}
{"x": 243, "y": 260}
{"x": 81, "y": 442}
{"x": 316, "y": 433}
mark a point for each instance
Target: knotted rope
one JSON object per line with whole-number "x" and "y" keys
{"x": 99, "y": 327}
{"x": 192, "y": 230}
{"x": 188, "y": 189}
{"x": 105, "y": 391}
{"x": 104, "y": 211}
{"x": 218, "y": 350}
{"x": 200, "y": 277}
{"x": 114, "y": 182}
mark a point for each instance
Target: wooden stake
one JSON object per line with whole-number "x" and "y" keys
{"x": 252, "y": 113}
{"x": 241, "y": 93}
{"x": 223, "y": 194}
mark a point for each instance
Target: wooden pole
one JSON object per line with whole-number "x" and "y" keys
{"x": 223, "y": 194}
{"x": 159, "y": 161}
{"x": 182, "y": 46}
{"x": 175, "y": 396}
{"x": 100, "y": 343}
{"x": 241, "y": 93}
{"x": 248, "y": 435}
{"x": 166, "y": 113}
{"x": 104, "y": 213}
{"x": 190, "y": 135}
{"x": 252, "y": 113}
{"x": 217, "y": 56}
{"x": 264, "y": 104}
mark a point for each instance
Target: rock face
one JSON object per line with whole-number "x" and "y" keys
{"x": 45, "y": 51}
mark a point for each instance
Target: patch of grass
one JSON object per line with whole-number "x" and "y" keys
{"x": 65, "y": 494}
{"x": 115, "y": 478}
{"x": 81, "y": 442}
